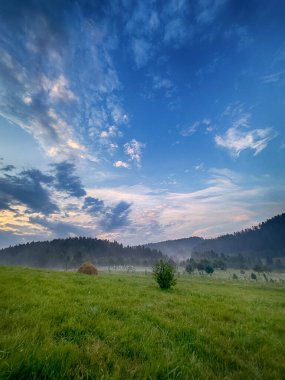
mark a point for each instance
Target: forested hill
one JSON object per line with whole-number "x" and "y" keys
{"x": 265, "y": 240}
{"x": 71, "y": 253}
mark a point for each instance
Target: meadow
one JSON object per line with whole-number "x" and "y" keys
{"x": 63, "y": 325}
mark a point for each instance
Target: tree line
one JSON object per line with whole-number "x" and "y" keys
{"x": 72, "y": 252}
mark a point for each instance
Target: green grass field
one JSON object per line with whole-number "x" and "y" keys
{"x": 57, "y": 325}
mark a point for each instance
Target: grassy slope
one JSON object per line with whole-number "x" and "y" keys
{"x": 57, "y": 325}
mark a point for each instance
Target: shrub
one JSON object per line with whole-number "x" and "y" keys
{"x": 209, "y": 269}
{"x": 164, "y": 274}
{"x": 88, "y": 268}
{"x": 235, "y": 277}
{"x": 253, "y": 276}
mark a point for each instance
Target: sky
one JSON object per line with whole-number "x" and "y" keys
{"x": 140, "y": 121}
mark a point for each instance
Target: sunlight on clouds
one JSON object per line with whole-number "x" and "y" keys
{"x": 75, "y": 145}
{"x": 155, "y": 214}
{"x": 17, "y": 221}
{"x": 58, "y": 89}
{"x": 66, "y": 145}
{"x": 241, "y": 217}
{"x": 221, "y": 205}
{"x": 120, "y": 164}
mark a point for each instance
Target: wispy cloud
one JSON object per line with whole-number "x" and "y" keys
{"x": 239, "y": 138}
{"x": 141, "y": 51}
{"x": 225, "y": 202}
{"x": 171, "y": 23}
{"x": 67, "y": 95}
{"x": 186, "y": 131}
{"x": 176, "y": 32}
{"x": 57, "y": 89}
{"x": 161, "y": 83}
{"x": 207, "y": 11}
{"x": 275, "y": 77}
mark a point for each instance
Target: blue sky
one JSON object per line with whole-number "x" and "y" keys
{"x": 140, "y": 121}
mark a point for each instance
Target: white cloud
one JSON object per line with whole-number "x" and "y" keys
{"x": 134, "y": 150}
{"x": 121, "y": 164}
{"x": 27, "y": 100}
{"x": 237, "y": 139}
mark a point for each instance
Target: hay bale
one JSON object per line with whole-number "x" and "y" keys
{"x": 88, "y": 268}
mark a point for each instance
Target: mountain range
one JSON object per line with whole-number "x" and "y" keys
{"x": 267, "y": 239}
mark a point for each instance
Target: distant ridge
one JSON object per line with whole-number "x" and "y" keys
{"x": 267, "y": 239}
